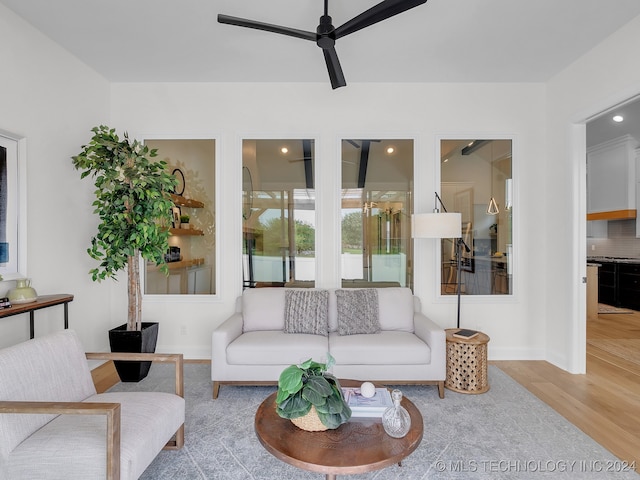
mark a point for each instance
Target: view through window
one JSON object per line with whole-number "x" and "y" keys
{"x": 377, "y": 203}
{"x": 192, "y": 254}
{"x": 278, "y": 213}
{"x": 476, "y": 180}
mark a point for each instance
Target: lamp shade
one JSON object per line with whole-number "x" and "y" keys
{"x": 436, "y": 225}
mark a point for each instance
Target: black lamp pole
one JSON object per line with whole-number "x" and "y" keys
{"x": 460, "y": 243}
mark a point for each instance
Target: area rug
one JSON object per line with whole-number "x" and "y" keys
{"x": 604, "y": 309}
{"x": 506, "y": 433}
{"x": 627, "y": 349}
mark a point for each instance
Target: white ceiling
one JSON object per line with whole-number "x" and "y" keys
{"x": 440, "y": 41}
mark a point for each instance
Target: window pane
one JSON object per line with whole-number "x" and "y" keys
{"x": 377, "y": 191}
{"x": 278, "y": 213}
{"x": 476, "y": 181}
{"x": 191, "y": 257}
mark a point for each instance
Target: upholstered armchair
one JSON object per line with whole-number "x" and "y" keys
{"x": 53, "y": 424}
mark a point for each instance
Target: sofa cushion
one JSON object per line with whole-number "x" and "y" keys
{"x": 396, "y": 308}
{"x": 357, "y": 311}
{"x": 276, "y": 348}
{"x": 386, "y": 348}
{"x": 306, "y": 311}
{"x": 263, "y": 309}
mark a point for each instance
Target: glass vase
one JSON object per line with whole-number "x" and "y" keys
{"x": 396, "y": 420}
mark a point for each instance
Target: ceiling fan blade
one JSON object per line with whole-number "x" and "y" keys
{"x": 333, "y": 66}
{"x": 377, "y": 13}
{"x": 267, "y": 27}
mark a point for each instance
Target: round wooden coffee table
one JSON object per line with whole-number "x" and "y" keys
{"x": 358, "y": 446}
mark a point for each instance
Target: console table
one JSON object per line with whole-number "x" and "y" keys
{"x": 43, "y": 301}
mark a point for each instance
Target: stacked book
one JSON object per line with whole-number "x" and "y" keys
{"x": 367, "y": 406}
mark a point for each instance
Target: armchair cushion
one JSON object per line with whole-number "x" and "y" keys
{"x": 36, "y": 372}
{"x": 147, "y": 420}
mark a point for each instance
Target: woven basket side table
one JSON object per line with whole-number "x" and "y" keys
{"x": 467, "y": 363}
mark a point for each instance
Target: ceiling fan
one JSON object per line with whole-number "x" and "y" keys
{"x": 326, "y": 34}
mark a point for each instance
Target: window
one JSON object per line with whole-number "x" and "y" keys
{"x": 476, "y": 180}
{"x": 192, "y": 244}
{"x": 278, "y": 213}
{"x": 377, "y": 203}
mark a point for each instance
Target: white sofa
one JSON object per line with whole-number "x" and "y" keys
{"x": 252, "y": 346}
{"x": 53, "y": 424}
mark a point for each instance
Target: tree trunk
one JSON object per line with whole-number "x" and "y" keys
{"x": 134, "y": 313}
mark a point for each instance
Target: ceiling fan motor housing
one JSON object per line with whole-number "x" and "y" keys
{"x": 326, "y": 33}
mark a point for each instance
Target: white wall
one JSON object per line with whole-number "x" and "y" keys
{"x": 605, "y": 76}
{"x": 229, "y": 112}
{"x": 53, "y": 100}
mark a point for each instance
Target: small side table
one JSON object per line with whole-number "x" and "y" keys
{"x": 467, "y": 363}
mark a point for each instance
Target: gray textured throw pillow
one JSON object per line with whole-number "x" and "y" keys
{"x": 306, "y": 311}
{"x": 358, "y": 311}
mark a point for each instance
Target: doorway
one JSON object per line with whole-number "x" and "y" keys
{"x": 611, "y": 236}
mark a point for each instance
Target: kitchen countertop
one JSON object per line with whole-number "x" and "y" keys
{"x": 592, "y": 260}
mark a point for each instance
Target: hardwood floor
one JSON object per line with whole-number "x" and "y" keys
{"x": 605, "y": 402}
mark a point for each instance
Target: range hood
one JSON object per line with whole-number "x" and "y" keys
{"x": 613, "y": 215}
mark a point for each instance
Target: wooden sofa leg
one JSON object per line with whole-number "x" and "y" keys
{"x": 441, "y": 389}
{"x": 216, "y": 389}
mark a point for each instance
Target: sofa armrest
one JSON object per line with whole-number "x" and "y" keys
{"x": 224, "y": 334}
{"x": 431, "y": 333}
{"x": 110, "y": 410}
{"x": 176, "y": 358}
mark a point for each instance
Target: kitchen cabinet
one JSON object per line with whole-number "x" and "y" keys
{"x": 592, "y": 291}
{"x": 199, "y": 280}
{"x": 629, "y": 285}
{"x": 611, "y": 180}
{"x": 597, "y": 229}
{"x": 619, "y": 283}
{"x": 608, "y": 283}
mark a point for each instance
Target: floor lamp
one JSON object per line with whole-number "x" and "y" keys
{"x": 442, "y": 225}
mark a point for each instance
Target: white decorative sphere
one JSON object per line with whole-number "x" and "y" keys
{"x": 367, "y": 390}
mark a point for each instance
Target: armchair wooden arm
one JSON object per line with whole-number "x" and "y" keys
{"x": 111, "y": 410}
{"x": 176, "y": 358}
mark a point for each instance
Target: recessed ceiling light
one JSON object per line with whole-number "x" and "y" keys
{"x": 618, "y": 118}
{"x": 390, "y": 150}
{"x": 445, "y": 160}
{"x": 284, "y": 150}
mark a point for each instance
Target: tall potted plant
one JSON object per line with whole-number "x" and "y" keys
{"x": 132, "y": 200}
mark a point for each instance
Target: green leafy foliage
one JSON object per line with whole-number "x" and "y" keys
{"x": 307, "y": 384}
{"x": 134, "y": 207}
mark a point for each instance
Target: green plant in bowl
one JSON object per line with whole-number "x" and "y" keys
{"x": 309, "y": 384}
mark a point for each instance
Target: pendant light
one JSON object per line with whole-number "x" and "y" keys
{"x": 492, "y": 207}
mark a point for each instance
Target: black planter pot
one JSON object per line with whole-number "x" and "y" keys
{"x": 144, "y": 341}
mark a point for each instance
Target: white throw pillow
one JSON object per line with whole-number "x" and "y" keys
{"x": 396, "y": 308}
{"x": 263, "y": 309}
